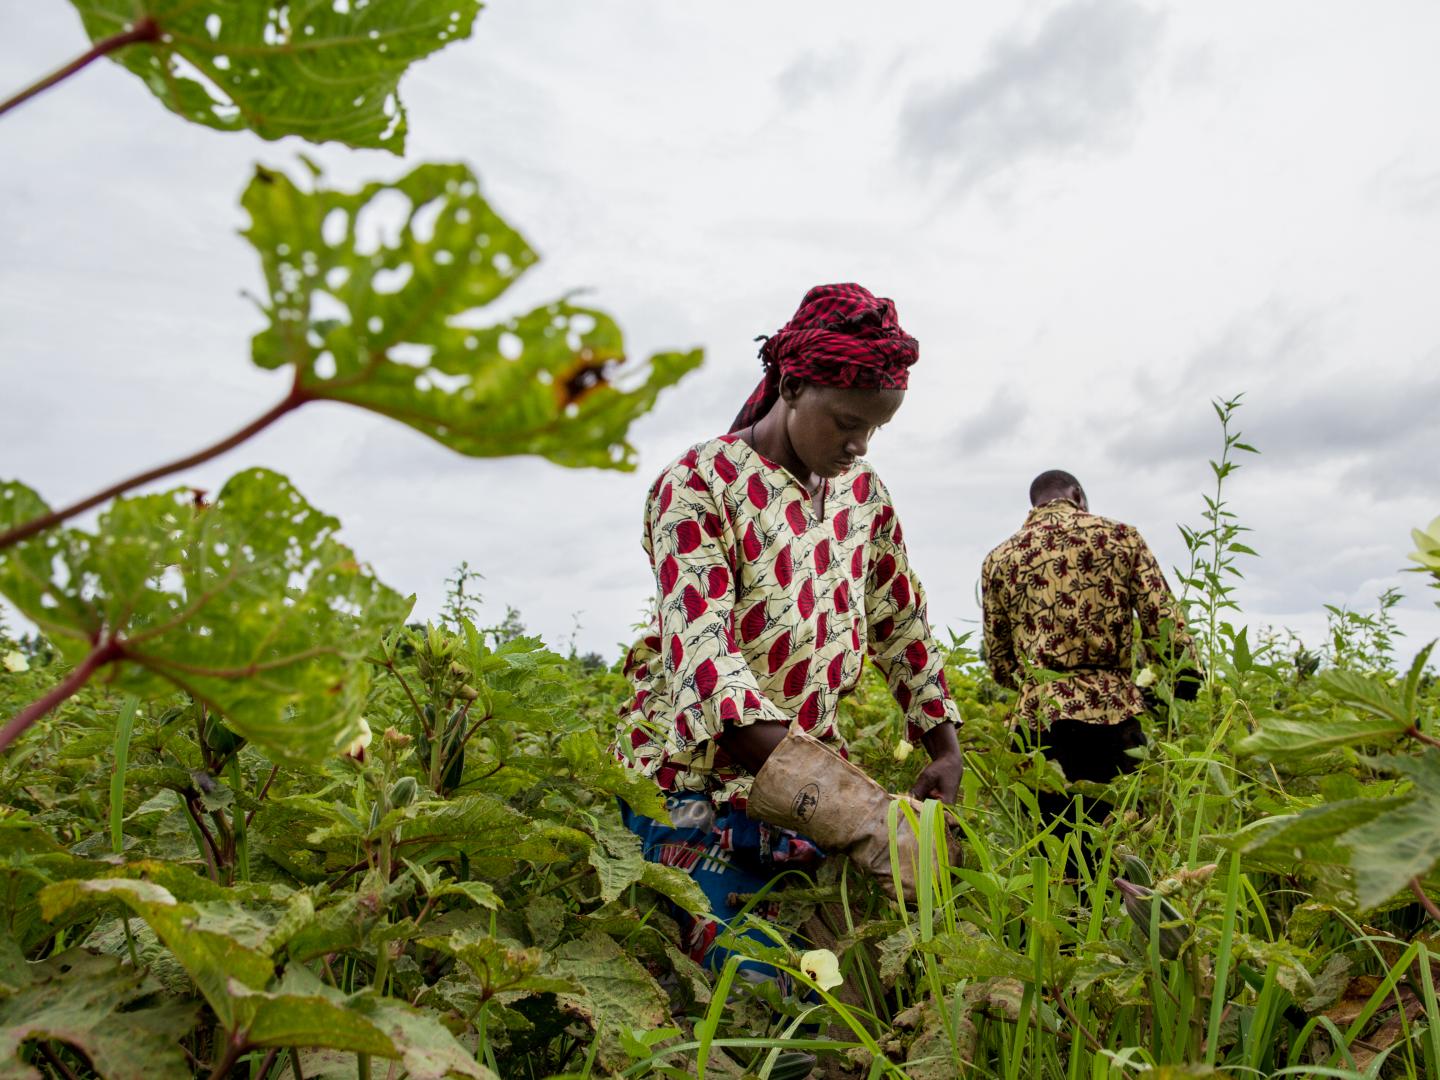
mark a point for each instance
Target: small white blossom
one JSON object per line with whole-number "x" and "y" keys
{"x": 356, "y": 748}
{"x": 1145, "y": 678}
{"x": 15, "y": 661}
{"x": 823, "y": 967}
{"x": 902, "y": 750}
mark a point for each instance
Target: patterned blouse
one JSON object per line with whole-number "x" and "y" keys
{"x": 766, "y": 612}
{"x": 1058, "y": 595}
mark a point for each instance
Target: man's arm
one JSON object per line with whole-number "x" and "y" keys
{"x": 1155, "y": 605}
{"x": 999, "y": 640}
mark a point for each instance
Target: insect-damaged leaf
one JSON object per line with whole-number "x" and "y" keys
{"x": 616, "y": 858}
{"x": 220, "y": 945}
{"x": 499, "y": 966}
{"x": 617, "y": 994}
{"x": 303, "y": 1011}
{"x": 323, "y": 71}
{"x": 384, "y": 313}
{"x": 98, "y": 1007}
{"x": 249, "y": 604}
{"x": 1280, "y": 736}
{"x": 1404, "y": 842}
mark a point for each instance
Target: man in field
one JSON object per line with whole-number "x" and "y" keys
{"x": 1060, "y": 597}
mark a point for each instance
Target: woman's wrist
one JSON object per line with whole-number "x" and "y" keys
{"x": 941, "y": 741}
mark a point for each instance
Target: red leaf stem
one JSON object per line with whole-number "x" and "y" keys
{"x": 292, "y": 401}
{"x": 105, "y": 653}
{"x": 145, "y": 29}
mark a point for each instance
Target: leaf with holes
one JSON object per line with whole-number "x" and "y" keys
{"x": 1404, "y": 842}
{"x": 101, "y": 1009}
{"x": 250, "y": 604}
{"x": 499, "y": 966}
{"x": 616, "y": 994}
{"x": 323, "y": 71}
{"x": 616, "y": 857}
{"x": 386, "y": 315}
{"x": 303, "y": 1011}
{"x": 220, "y": 945}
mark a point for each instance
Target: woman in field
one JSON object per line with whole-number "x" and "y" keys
{"x": 779, "y": 564}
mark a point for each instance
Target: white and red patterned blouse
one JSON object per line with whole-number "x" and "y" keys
{"x": 766, "y": 612}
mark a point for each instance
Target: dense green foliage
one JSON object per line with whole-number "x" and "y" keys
{"x": 249, "y": 821}
{"x": 460, "y": 895}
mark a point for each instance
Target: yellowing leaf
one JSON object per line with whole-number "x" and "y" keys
{"x": 250, "y": 605}
{"x": 376, "y": 298}
{"x": 100, "y": 1008}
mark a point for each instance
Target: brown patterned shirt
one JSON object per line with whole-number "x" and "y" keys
{"x": 1059, "y": 596}
{"x": 768, "y": 611}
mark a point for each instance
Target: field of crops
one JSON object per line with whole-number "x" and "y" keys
{"x": 452, "y": 892}
{"x": 254, "y": 822}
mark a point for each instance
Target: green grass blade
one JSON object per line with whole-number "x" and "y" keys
{"x": 1223, "y": 961}
{"x": 117, "y": 778}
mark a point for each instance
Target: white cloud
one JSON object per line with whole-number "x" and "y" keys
{"x": 656, "y": 152}
{"x": 1072, "y": 86}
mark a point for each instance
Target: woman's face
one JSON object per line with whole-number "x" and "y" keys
{"x": 829, "y": 427}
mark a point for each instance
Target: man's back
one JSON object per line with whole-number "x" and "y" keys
{"x": 1059, "y": 595}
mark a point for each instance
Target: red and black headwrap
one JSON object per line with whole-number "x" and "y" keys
{"x": 842, "y": 335}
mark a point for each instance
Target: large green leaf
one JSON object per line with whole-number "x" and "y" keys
{"x": 250, "y": 604}
{"x": 618, "y": 862}
{"x": 490, "y": 834}
{"x": 101, "y": 1009}
{"x": 617, "y": 994}
{"x": 320, "y": 70}
{"x": 1368, "y": 694}
{"x": 676, "y": 885}
{"x": 616, "y": 857}
{"x": 220, "y": 945}
{"x": 1309, "y": 835}
{"x": 393, "y": 325}
{"x": 500, "y": 967}
{"x": 302, "y": 1011}
{"x": 1404, "y": 842}
{"x": 30, "y": 859}
{"x": 1282, "y": 736}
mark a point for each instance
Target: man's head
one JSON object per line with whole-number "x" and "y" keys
{"x": 1055, "y": 484}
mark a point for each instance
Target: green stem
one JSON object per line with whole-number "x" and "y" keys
{"x": 130, "y": 942}
{"x": 235, "y": 1045}
{"x": 265, "y": 790}
{"x": 203, "y": 840}
{"x": 389, "y": 666}
{"x": 239, "y": 822}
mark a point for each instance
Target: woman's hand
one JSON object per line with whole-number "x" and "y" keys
{"x": 941, "y": 778}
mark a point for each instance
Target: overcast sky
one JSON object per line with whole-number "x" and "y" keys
{"x": 1095, "y": 216}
